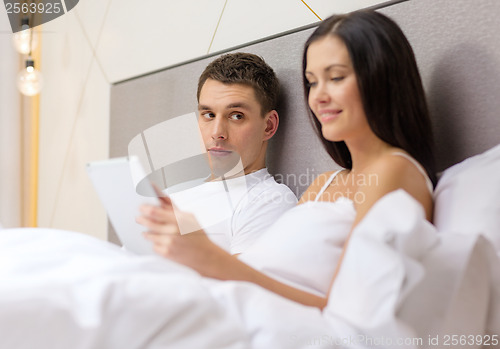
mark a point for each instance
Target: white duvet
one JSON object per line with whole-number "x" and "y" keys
{"x": 60, "y": 289}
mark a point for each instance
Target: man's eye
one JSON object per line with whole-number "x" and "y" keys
{"x": 236, "y": 116}
{"x": 208, "y": 115}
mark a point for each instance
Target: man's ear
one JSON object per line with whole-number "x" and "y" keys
{"x": 272, "y": 121}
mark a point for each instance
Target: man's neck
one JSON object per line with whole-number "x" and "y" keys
{"x": 229, "y": 175}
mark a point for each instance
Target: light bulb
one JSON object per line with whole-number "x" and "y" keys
{"x": 25, "y": 41}
{"x": 30, "y": 80}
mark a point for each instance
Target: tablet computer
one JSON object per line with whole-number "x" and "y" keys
{"x": 114, "y": 183}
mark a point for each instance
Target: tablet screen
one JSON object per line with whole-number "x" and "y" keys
{"x": 113, "y": 181}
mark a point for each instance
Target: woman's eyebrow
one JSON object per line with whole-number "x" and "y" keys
{"x": 330, "y": 67}
{"x": 336, "y": 65}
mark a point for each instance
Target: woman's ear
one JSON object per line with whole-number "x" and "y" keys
{"x": 272, "y": 121}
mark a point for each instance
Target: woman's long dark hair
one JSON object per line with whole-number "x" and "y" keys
{"x": 389, "y": 84}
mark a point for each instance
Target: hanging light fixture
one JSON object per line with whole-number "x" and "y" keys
{"x": 30, "y": 80}
{"x": 25, "y": 41}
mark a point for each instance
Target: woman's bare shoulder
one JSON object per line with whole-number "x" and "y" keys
{"x": 397, "y": 172}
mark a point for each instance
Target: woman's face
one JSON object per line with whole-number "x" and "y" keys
{"x": 334, "y": 95}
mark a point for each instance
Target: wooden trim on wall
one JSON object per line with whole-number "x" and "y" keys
{"x": 30, "y": 146}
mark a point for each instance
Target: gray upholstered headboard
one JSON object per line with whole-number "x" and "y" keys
{"x": 457, "y": 44}
{"x": 143, "y": 102}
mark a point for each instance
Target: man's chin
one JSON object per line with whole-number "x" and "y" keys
{"x": 229, "y": 165}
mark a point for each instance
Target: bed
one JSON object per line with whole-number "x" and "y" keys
{"x": 417, "y": 285}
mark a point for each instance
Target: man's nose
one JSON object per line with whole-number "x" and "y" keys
{"x": 219, "y": 128}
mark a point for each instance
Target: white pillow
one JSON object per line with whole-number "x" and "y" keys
{"x": 400, "y": 279}
{"x": 458, "y": 292}
{"x": 467, "y": 197}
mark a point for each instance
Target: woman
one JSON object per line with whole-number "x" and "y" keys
{"x": 367, "y": 102}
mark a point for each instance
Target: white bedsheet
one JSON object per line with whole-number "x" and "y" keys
{"x": 61, "y": 289}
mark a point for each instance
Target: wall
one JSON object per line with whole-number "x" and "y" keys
{"x": 101, "y": 42}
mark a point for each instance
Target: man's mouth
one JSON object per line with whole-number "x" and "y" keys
{"x": 217, "y": 151}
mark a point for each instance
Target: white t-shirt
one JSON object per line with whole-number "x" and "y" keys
{"x": 234, "y": 212}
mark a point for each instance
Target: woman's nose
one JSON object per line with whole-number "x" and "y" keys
{"x": 320, "y": 93}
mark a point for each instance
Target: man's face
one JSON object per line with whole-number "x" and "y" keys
{"x": 232, "y": 127}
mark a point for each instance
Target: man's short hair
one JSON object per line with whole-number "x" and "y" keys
{"x": 247, "y": 69}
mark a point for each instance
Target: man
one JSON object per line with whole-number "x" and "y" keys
{"x": 237, "y": 98}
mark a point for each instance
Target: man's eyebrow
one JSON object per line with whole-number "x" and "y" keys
{"x": 236, "y": 105}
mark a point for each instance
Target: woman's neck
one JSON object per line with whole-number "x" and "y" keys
{"x": 366, "y": 151}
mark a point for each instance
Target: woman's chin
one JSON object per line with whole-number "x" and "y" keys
{"x": 330, "y": 136}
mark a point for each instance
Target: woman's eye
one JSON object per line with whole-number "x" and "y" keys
{"x": 337, "y": 78}
{"x": 236, "y": 116}
{"x": 311, "y": 84}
